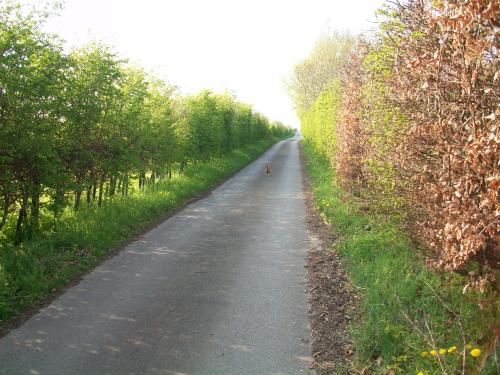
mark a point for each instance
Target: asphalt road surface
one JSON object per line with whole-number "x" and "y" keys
{"x": 216, "y": 289}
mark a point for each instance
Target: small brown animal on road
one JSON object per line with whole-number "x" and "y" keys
{"x": 267, "y": 169}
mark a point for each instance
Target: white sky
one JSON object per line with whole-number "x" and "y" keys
{"x": 246, "y": 46}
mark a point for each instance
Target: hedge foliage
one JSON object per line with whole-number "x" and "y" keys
{"x": 408, "y": 120}
{"x": 83, "y": 127}
{"x": 410, "y": 123}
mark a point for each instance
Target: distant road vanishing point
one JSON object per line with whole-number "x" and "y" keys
{"x": 216, "y": 289}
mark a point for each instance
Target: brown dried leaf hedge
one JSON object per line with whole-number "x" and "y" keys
{"x": 445, "y": 81}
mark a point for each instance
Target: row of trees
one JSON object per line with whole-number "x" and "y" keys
{"x": 78, "y": 128}
{"x": 409, "y": 120}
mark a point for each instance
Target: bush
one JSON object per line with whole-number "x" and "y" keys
{"x": 406, "y": 309}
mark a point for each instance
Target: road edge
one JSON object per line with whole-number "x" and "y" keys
{"x": 331, "y": 298}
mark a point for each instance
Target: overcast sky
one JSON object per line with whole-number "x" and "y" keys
{"x": 246, "y": 46}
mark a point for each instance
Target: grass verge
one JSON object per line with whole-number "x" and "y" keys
{"x": 35, "y": 269}
{"x": 407, "y": 310}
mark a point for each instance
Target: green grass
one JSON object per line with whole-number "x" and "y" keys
{"x": 402, "y": 302}
{"x": 29, "y": 272}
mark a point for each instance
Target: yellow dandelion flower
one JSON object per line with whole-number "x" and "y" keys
{"x": 434, "y": 352}
{"x": 420, "y": 373}
{"x": 424, "y": 354}
{"x": 475, "y": 352}
{"x": 452, "y": 349}
{"x": 442, "y": 351}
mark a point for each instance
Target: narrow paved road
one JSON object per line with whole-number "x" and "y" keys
{"x": 216, "y": 289}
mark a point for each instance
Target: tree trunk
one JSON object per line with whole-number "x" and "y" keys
{"x": 58, "y": 202}
{"x": 101, "y": 186}
{"x": 89, "y": 195}
{"x": 35, "y": 210}
{"x": 112, "y": 186}
{"x": 21, "y": 219}
{"x": 124, "y": 184}
{"x": 142, "y": 180}
{"x": 5, "y": 214}
{"x": 78, "y": 198}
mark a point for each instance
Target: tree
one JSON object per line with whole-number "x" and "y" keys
{"x": 311, "y": 76}
{"x": 93, "y": 85}
{"x": 31, "y": 78}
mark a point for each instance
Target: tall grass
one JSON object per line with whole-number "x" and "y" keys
{"x": 406, "y": 310}
{"x": 30, "y": 271}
